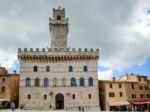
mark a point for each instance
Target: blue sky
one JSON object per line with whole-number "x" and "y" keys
{"x": 121, "y": 31}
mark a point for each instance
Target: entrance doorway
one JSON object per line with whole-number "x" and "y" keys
{"x": 59, "y": 99}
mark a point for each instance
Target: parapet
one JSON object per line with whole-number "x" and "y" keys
{"x": 57, "y": 50}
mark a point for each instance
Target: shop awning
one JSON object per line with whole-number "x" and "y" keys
{"x": 141, "y": 102}
{"x": 2, "y": 100}
{"x": 118, "y": 103}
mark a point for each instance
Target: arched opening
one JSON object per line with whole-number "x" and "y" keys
{"x": 47, "y": 69}
{"x": 28, "y": 81}
{"x": 73, "y": 82}
{"x": 90, "y": 81}
{"x": 85, "y": 68}
{"x": 46, "y": 82}
{"x": 58, "y": 17}
{"x": 35, "y": 68}
{"x": 70, "y": 69}
{"x": 55, "y": 81}
{"x": 64, "y": 81}
{"x": 37, "y": 82}
{"x": 59, "y": 101}
{"x": 81, "y": 81}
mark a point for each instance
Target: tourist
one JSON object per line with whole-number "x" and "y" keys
{"x": 12, "y": 106}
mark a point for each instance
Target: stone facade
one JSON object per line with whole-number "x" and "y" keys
{"x": 72, "y": 81}
{"x": 9, "y": 86}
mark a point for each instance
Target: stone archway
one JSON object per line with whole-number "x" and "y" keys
{"x": 59, "y": 101}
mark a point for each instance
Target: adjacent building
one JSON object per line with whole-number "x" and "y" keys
{"x": 59, "y": 77}
{"x": 129, "y": 90}
{"x": 9, "y": 87}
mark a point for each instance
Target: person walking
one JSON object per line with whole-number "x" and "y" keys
{"x": 12, "y": 106}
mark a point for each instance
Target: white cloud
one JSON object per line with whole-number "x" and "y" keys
{"x": 121, "y": 32}
{"x": 134, "y": 47}
{"x": 7, "y": 60}
{"x": 105, "y": 75}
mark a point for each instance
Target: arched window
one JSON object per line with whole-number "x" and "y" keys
{"x": 85, "y": 68}
{"x": 37, "y": 82}
{"x": 58, "y": 17}
{"x": 90, "y": 80}
{"x": 81, "y": 81}
{"x": 46, "y": 82}
{"x": 64, "y": 81}
{"x": 28, "y": 82}
{"x": 73, "y": 82}
{"x": 55, "y": 81}
{"x": 70, "y": 69}
{"x": 35, "y": 68}
{"x": 47, "y": 69}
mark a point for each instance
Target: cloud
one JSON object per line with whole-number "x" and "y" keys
{"x": 105, "y": 75}
{"x": 134, "y": 48}
{"x": 120, "y": 30}
{"x": 7, "y": 60}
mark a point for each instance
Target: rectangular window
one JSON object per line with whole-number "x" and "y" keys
{"x": 110, "y": 85}
{"x": 3, "y": 89}
{"x": 45, "y": 97}
{"x": 89, "y": 96}
{"x": 147, "y": 95}
{"x": 132, "y": 85}
{"x": 142, "y": 95}
{"x": 133, "y": 95}
{"x": 29, "y": 97}
{"x": 141, "y": 87}
{"x": 3, "y": 80}
{"x": 120, "y": 94}
{"x": 120, "y": 86}
{"x": 111, "y": 94}
{"x": 139, "y": 78}
{"x": 146, "y": 88}
{"x": 73, "y": 96}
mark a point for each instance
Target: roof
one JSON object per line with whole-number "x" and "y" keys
{"x": 117, "y": 81}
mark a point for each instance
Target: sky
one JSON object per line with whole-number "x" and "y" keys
{"x": 119, "y": 28}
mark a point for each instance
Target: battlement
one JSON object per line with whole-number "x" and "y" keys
{"x": 55, "y": 51}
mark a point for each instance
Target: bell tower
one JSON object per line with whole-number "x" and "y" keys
{"x": 58, "y": 26}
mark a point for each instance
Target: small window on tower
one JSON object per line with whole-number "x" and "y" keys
{"x": 29, "y": 96}
{"x": 58, "y": 17}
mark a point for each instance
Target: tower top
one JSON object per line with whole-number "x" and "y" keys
{"x": 59, "y": 13}
{"x": 58, "y": 28}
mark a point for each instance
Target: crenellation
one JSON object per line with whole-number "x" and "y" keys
{"x": 72, "y": 50}
{"x": 43, "y": 49}
{"x": 19, "y": 50}
{"x": 37, "y": 49}
{"x": 49, "y": 49}
{"x": 31, "y": 49}
{"x": 25, "y": 49}
{"x": 85, "y": 49}
{"x": 79, "y": 49}
{"x": 97, "y": 50}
